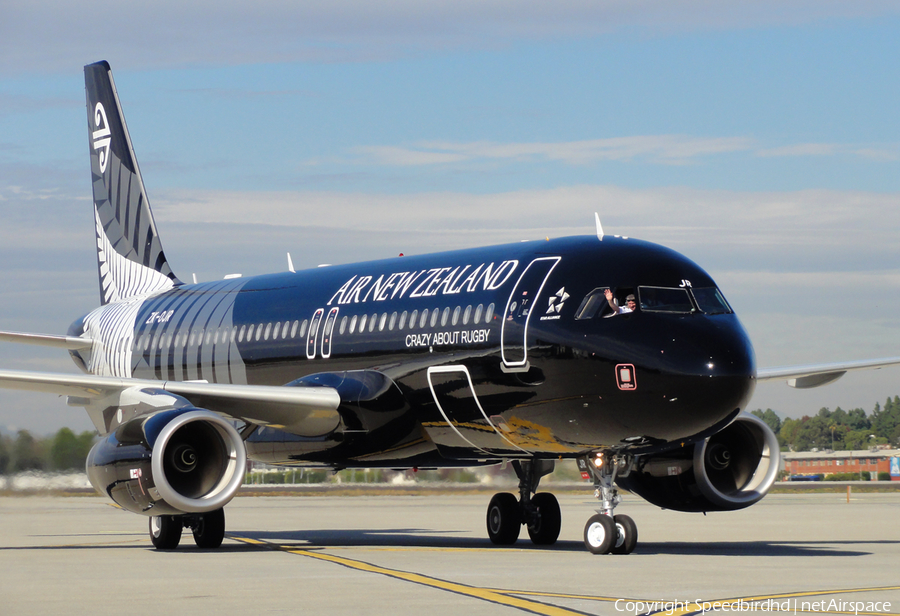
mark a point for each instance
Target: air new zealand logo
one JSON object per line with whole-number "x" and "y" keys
{"x": 101, "y": 136}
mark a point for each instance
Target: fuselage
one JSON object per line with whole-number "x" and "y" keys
{"x": 481, "y": 354}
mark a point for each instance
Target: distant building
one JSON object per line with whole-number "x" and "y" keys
{"x": 827, "y": 462}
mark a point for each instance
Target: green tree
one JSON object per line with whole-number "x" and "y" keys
{"x": 857, "y": 420}
{"x": 26, "y": 453}
{"x": 5, "y": 454}
{"x": 856, "y": 439}
{"x": 788, "y": 433}
{"x": 772, "y": 420}
{"x": 886, "y": 420}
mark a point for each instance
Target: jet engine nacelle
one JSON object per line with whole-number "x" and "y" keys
{"x": 170, "y": 462}
{"x": 731, "y": 469}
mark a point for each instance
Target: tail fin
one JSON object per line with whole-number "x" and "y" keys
{"x": 130, "y": 257}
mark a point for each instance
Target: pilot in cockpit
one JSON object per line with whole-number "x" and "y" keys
{"x": 630, "y": 303}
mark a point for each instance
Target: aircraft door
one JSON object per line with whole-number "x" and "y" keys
{"x": 465, "y": 429}
{"x": 514, "y": 331}
{"x": 328, "y": 332}
{"x": 313, "y": 335}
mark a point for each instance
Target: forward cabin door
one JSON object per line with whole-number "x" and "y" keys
{"x": 519, "y": 308}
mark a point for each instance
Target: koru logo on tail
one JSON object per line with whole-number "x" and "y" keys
{"x": 101, "y": 136}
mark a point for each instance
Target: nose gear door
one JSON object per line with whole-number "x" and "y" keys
{"x": 514, "y": 331}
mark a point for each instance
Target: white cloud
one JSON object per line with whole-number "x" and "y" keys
{"x": 880, "y": 153}
{"x": 658, "y": 149}
{"x": 57, "y": 36}
{"x": 669, "y": 149}
{"x": 819, "y": 230}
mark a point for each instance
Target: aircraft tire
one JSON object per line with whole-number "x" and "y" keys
{"x": 503, "y": 519}
{"x": 626, "y": 535}
{"x": 210, "y": 529}
{"x": 546, "y": 530}
{"x": 599, "y": 534}
{"x": 165, "y": 531}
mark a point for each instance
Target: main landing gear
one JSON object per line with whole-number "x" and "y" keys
{"x": 538, "y": 512}
{"x": 606, "y": 533}
{"x": 208, "y": 529}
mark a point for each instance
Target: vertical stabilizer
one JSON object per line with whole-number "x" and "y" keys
{"x": 130, "y": 257}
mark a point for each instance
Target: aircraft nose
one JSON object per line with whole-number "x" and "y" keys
{"x": 713, "y": 369}
{"x": 696, "y": 374}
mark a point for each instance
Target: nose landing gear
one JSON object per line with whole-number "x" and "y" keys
{"x": 606, "y": 533}
{"x": 539, "y": 512}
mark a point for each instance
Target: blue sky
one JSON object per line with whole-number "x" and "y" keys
{"x": 760, "y": 139}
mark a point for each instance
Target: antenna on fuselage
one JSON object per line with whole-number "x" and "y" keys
{"x": 599, "y": 226}
{"x": 290, "y": 264}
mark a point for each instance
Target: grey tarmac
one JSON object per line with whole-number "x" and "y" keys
{"x": 813, "y": 553}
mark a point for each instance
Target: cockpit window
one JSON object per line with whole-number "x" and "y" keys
{"x": 711, "y": 301}
{"x": 663, "y": 299}
{"x": 591, "y": 304}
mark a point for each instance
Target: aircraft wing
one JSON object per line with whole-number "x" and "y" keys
{"x": 307, "y": 411}
{"x": 60, "y": 342}
{"x": 816, "y": 375}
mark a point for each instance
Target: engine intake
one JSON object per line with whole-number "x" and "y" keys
{"x": 732, "y": 469}
{"x": 170, "y": 462}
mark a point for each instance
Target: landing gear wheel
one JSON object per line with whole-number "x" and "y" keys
{"x": 503, "y": 520}
{"x": 209, "y": 530}
{"x": 165, "y": 531}
{"x": 544, "y": 530}
{"x": 626, "y": 535}
{"x": 599, "y": 534}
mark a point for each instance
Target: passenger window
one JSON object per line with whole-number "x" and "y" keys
{"x": 467, "y": 314}
{"x": 373, "y": 321}
{"x": 393, "y": 321}
{"x": 259, "y": 331}
{"x": 424, "y": 318}
{"x": 456, "y": 312}
{"x": 353, "y": 324}
{"x": 489, "y": 313}
{"x": 343, "y": 325}
{"x": 445, "y": 316}
{"x": 241, "y": 334}
{"x": 478, "y": 311}
{"x": 362, "y": 323}
{"x": 303, "y": 327}
{"x": 294, "y": 329}
{"x": 435, "y": 314}
{"x": 403, "y": 316}
{"x": 412, "y": 319}
{"x": 382, "y": 322}
{"x": 266, "y": 335}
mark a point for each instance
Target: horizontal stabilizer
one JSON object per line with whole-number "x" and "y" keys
{"x": 60, "y": 342}
{"x": 816, "y": 375}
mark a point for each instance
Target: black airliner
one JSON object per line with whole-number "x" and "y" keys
{"x": 523, "y": 353}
